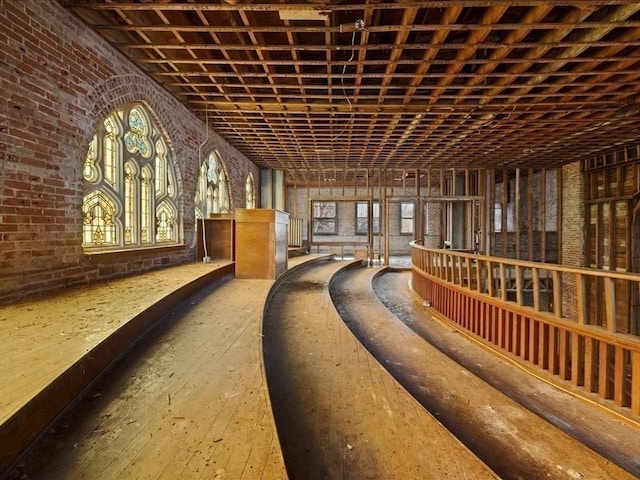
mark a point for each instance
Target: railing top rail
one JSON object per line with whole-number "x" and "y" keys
{"x": 635, "y": 277}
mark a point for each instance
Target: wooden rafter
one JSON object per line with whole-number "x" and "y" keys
{"x": 414, "y": 85}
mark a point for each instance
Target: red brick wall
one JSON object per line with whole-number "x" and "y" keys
{"x": 57, "y": 81}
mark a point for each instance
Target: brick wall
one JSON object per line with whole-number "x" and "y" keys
{"x": 58, "y": 79}
{"x": 573, "y": 231}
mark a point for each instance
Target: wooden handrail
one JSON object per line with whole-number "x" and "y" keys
{"x": 546, "y": 314}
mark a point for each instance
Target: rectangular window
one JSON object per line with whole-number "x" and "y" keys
{"x": 362, "y": 217}
{"x": 497, "y": 217}
{"x": 407, "y": 218}
{"x": 324, "y": 218}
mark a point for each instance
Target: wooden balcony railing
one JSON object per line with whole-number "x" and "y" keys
{"x": 548, "y": 315}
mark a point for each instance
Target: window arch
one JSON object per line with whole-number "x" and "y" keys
{"x": 129, "y": 184}
{"x": 212, "y": 191}
{"x": 250, "y": 192}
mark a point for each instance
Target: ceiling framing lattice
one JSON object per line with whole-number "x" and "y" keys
{"x": 441, "y": 84}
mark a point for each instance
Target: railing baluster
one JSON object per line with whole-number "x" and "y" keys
{"x": 535, "y": 278}
{"x": 618, "y": 376}
{"x": 563, "y": 350}
{"x": 604, "y": 374}
{"x": 553, "y": 350}
{"x": 635, "y": 382}
{"x": 543, "y": 346}
{"x": 577, "y": 367}
{"x": 533, "y": 341}
{"x": 518, "y": 273}
{"x": 590, "y": 363}
{"x": 557, "y": 297}
{"x": 581, "y": 298}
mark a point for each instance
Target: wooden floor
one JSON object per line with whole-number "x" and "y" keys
{"x": 151, "y": 404}
{"x": 474, "y": 405}
{"x": 190, "y": 400}
{"x": 340, "y": 414}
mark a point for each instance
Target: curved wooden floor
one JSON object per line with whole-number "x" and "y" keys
{"x": 190, "y": 400}
{"x": 187, "y": 401}
{"x": 513, "y": 440}
{"x": 339, "y": 413}
{"x": 595, "y": 422}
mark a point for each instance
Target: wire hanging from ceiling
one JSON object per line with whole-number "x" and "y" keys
{"x": 358, "y": 27}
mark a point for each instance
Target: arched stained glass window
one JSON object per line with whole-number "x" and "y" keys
{"x": 212, "y": 192}
{"x": 130, "y": 185}
{"x": 250, "y": 192}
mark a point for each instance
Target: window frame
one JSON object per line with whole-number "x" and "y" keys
{"x": 128, "y": 174}
{"x": 376, "y": 228}
{"x": 327, "y": 220}
{"x": 402, "y": 218}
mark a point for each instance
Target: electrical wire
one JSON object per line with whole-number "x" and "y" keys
{"x": 206, "y": 139}
{"x": 359, "y": 25}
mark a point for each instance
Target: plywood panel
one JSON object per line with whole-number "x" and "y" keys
{"x": 261, "y": 243}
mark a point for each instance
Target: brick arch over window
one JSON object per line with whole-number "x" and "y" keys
{"x": 129, "y": 184}
{"x": 128, "y": 89}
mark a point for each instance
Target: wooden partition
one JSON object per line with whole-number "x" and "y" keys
{"x": 516, "y": 306}
{"x": 219, "y": 237}
{"x": 261, "y": 243}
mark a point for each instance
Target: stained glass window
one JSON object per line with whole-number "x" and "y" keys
{"x": 130, "y": 185}
{"x": 136, "y": 138}
{"x": 90, "y": 171}
{"x": 111, "y": 157}
{"x": 165, "y": 222}
{"x": 146, "y": 205}
{"x": 212, "y": 193}
{"x": 99, "y": 219}
{"x": 250, "y": 192}
{"x": 129, "y": 205}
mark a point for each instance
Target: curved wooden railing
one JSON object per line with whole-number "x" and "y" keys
{"x": 547, "y": 315}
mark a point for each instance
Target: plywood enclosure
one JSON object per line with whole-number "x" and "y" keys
{"x": 218, "y": 235}
{"x": 261, "y": 243}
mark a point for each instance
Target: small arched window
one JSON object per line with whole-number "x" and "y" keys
{"x": 129, "y": 184}
{"x": 250, "y": 192}
{"x": 212, "y": 191}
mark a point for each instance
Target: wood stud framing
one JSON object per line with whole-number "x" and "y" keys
{"x": 467, "y": 83}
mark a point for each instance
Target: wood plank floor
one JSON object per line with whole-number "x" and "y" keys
{"x": 598, "y": 424}
{"x": 42, "y": 337}
{"x": 188, "y": 402}
{"x": 340, "y": 414}
{"x": 487, "y": 420}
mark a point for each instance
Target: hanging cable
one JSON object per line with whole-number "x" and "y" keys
{"x": 205, "y": 257}
{"x": 359, "y": 26}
